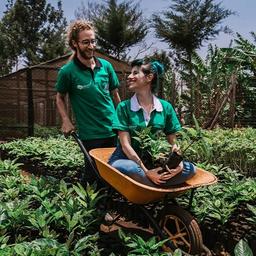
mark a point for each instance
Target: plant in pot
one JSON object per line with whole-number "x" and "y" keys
{"x": 155, "y": 151}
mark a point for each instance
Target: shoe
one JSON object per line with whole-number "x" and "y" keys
{"x": 110, "y": 218}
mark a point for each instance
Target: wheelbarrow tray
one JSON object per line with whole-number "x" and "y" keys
{"x": 138, "y": 193}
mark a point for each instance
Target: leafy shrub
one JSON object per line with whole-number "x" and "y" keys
{"x": 58, "y": 157}
{"x": 242, "y": 249}
{"x": 151, "y": 247}
{"x": 43, "y": 216}
{"x": 234, "y": 148}
{"x": 46, "y": 132}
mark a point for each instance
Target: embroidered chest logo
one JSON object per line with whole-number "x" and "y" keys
{"x": 83, "y": 86}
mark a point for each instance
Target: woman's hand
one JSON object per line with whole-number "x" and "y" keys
{"x": 158, "y": 178}
{"x": 175, "y": 148}
{"x": 155, "y": 176}
{"x": 175, "y": 171}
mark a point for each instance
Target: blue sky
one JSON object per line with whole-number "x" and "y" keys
{"x": 243, "y": 22}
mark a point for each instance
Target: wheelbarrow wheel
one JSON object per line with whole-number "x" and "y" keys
{"x": 182, "y": 229}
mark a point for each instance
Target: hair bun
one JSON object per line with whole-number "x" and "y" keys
{"x": 157, "y": 67}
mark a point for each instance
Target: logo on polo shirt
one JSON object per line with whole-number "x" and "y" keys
{"x": 83, "y": 86}
{"x": 105, "y": 86}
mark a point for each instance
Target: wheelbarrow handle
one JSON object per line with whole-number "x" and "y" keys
{"x": 85, "y": 152}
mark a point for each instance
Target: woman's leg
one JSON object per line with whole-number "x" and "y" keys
{"x": 133, "y": 170}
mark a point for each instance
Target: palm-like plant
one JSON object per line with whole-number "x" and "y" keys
{"x": 246, "y": 51}
{"x": 186, "y": 25}
{"x": 210, "y": 78}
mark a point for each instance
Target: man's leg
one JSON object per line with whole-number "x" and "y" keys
{"x": 88, "y": 175}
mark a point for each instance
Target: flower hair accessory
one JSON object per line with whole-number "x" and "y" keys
{"x": 157, "y": 67}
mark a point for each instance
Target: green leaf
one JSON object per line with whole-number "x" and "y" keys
{"x": 177, "y": 252}
{"x": 217, "y": 203}
{"x": 70, "y": 239}
{"x": 242, "y": 249}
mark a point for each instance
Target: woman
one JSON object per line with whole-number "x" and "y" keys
{"x": 142, "y": 110}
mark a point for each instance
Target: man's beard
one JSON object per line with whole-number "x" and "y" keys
{"x": 83, "y": 54}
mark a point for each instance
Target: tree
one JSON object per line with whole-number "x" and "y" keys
{"x": 119, "y": 26}
{"x": 32, "y": 31}
{"x": 161, "y": 56}
{"x": 7, "y": 53}
{"x": 89, "y": 12}
{"x": 244, "y": 53}
{"x": 189, "y": 23}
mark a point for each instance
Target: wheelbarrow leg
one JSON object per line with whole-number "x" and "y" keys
{"x": 90, "y": 164}
{"x": 157, "y": 228}
{"x": 191, "y": 198}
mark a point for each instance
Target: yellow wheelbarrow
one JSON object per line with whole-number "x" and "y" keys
{"x": 172, "y": 221}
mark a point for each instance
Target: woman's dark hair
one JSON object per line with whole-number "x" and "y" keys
{"x": 150, "y": 67}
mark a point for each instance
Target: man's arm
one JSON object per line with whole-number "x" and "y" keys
{"x": 67, "y": 125}
{"x": 115, "y": 96}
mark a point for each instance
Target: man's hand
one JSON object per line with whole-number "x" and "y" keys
{"x": 67, "y": 127}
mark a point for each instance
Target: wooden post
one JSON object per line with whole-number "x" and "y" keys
{"x": 233, "y": 102}
{"x": 47, "y": 109}
{"x": 18, "y": 110}
{"x": 30, "y": 103}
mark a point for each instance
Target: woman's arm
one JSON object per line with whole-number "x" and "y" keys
{"x": 171, "y": 138}
{"x": 153, "y": 174}
{"x": 127, "y": 148}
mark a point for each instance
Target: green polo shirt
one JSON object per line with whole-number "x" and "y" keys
{"x": 129, "y": 120}
{"x": 90, "y": 97}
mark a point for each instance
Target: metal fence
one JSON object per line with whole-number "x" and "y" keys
{"x": 28, "y": 97}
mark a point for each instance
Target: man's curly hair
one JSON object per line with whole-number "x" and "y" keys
{"x": 74, "y": 29}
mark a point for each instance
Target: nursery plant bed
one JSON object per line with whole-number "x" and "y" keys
{"x": 111, "y": 241}
{"x": 221, "y": 239}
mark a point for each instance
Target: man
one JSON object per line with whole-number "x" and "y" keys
{"x": 91, "y": 84}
